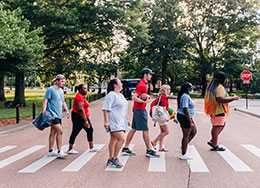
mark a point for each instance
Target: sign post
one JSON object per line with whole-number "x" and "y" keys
{"x": 246, "y": 75}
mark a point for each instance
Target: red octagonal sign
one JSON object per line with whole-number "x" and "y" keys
{"x": 246, "y": 76}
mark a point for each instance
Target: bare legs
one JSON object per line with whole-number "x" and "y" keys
{"x": 145, "y": 137}
{"x": 188, "y": 135}
{"x": 164, "y": 132}
{"x": 117, "y": 140}
{"x": 56, "y": 130}
{"x": 215, "y": 131}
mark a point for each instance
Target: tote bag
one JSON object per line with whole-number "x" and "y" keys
{"x": 159, "y": 113}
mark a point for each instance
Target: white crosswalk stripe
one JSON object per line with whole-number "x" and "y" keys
{"x": 234, "y": 161}
{"x": 78, "y": 163}
{"x": 20, "y": 155}
{"x": 6, "y": 148}
{"x": 41, "y": 162}
{"x": 196, "y": 164}
{"x": 253, "y": 149}
{"x": 157, "y": 164}
{"x": 122, "y": 158}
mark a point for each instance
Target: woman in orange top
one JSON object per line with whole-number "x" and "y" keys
{"x": 80, "y": 119}
{"x": 216, "y": 105}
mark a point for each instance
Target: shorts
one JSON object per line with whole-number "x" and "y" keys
{"x": 56, "y": 121}
{"x": 140, "y": 120}
{"x": 183, "y": 120}
{"x": 218, "y": 120}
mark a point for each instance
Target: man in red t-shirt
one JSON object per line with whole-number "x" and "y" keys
{"x": 140, "y": 118}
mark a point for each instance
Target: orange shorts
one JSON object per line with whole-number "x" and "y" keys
{"x": 218, "y": 120}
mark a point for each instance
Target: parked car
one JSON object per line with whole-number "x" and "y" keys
{"x": 129, "y": 86}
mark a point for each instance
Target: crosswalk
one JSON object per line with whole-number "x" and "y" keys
{"x": 155, "y": 164}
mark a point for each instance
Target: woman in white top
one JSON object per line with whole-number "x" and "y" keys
{"x": 115, "y": 120}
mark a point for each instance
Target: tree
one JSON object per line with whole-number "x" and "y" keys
{"x": 71, "y": 29}
{"x": 211, "y": 26}
{"x": 21, "y": 48}
{"x": 165, "y": 41}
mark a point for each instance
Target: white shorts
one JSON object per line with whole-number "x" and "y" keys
{"x": 162, "y": 123}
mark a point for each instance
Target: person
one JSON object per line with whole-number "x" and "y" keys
{"x": 140, "y": 119}
{"x": 216, "y": 106}
{"x": 163, "y": 92}
{"x": 115, "y": 120}
{"x": 80, "y": 119}
{"x": 185, "y": 118}
{"x": 53, "y": 102}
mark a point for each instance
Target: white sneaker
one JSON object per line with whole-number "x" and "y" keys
{"x": 73, "y": 152}
{"x": 186, "y": 157}
{"x": 93, "y": 150}
{"x": 61, "y": 154}
{"x": 52, "y": 153}
{"x": 179, "y": 150}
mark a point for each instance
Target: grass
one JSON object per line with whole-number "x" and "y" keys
{"x": 32, "y": 96}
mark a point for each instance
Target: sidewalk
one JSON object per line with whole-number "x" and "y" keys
{"x": 253, "y": 106}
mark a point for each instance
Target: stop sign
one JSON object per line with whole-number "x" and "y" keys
{"x": 246, "y": 76}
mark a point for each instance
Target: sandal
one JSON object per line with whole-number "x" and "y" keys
{"x": 210, "y": 144}
{"x": 154, "y": 146}
{"x": 164, "y": 150}
{"x": 217, "y": 149}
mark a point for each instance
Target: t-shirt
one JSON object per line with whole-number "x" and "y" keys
{"x": 80, "y": 98}
{"x": 163, "y": 102}
{"x": 221, "y": 107}
{"x": 55, "y": 98}
{"x": 186, "y": 102}
{"x": 141, "y": 88}
{"x": 117, "y": 105}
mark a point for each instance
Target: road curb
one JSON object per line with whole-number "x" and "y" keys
{"x": 249, "y": 113}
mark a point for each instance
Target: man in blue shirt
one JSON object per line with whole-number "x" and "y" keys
{"x": 53, "y": 102}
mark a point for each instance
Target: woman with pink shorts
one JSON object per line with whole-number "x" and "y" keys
{"x": 216, "y": 106}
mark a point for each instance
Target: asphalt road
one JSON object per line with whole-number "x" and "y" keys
{"x": 23, "y": 161}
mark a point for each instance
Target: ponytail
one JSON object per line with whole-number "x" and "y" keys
{"x": 78, "y": 88}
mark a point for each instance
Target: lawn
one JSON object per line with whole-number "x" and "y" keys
{"x": 32, "y": 96}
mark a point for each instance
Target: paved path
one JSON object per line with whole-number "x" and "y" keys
{"x": 23, "y": 161}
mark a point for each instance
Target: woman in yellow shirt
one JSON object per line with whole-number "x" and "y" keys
{"x": 216, "y": 105}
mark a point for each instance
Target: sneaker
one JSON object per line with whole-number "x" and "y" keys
{"x": 52, "y": 153}
{"x": 186, "y": 157}
{"x": 93, "y": 150}
{"x": 114, "y": 163}
{"x": 73, "y": 152}
{"x": 117, "y": 160}
{"x": 61, "y": 154}
{"x": 109, "y": 162}
{"x": 127, "y": 151}
{"x": 179, "y": 150}
{"x": 151, "y": 153}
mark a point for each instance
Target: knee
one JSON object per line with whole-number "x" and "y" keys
{"x": 60, "y": 132}
{"x": 166, "y": 132}
{"x": 122, "y": 140}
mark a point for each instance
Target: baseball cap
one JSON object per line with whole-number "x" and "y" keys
{"x": 59, "y": 77}
{"x": 146, "y": 71}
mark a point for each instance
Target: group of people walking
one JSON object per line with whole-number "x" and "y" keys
{"x": 117, "y": 121}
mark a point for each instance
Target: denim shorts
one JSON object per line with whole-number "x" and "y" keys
{"x": 140, "y": 120}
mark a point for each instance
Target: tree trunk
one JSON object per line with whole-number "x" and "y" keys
{"x": 100, "y": 84}
{"x": 204, "y": 84}
{"x": 19, "y": 97}
{"x": 164, "y": 67}
{"x": 230, "y": 87}
{"x": 2, "y": 91}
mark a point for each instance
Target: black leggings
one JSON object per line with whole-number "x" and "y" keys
{"x": 78, "y": 124}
